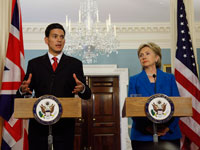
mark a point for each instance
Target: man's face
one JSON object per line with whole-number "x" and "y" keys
{"x": 55, "y": 41}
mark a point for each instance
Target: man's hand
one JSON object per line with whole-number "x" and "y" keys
{"x": 79, "y": 85}
{"x": 25, "y": 85}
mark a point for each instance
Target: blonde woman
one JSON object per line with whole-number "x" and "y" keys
{"x": 148, "y": 82}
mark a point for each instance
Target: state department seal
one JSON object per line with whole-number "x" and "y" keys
{"x": 47, "y": 110}
{"x": 159, "y": 108}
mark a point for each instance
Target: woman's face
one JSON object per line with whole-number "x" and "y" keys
{"x": 148, "y": 58}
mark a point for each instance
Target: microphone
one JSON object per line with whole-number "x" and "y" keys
{"x": 154, "y": 76}
{"x": 155, "y": 135}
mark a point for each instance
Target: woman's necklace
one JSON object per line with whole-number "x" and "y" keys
{"x": 151, "y": 75}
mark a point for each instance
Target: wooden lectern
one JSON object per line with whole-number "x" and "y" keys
{"x": 23, "y": 107}
{"x": 135, "y": 106}
{"x": 71, "y": 108}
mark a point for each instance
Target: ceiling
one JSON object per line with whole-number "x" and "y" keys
{"x": 120, "y": 10}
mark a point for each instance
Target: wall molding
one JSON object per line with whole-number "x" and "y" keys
{"x": 130, "y": 35}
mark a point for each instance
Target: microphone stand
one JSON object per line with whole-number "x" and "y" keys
{"x": 50, "y": 138}
{"x": 155, "y": 135}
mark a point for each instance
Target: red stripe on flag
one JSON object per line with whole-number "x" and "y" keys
{"x": 13, "y": 50}
{"x": 187, "y": 85}
{"x": 190, "y": 134}
{"x": 10, "y": 85}
{"x": 186, "y": 143}
{"x": 21, "y": 36}
{"x": 13, "y": 5}
{"x": 25, "y": 143}
{"x": 196, "y": 116}
{"x": 15, "y": 131}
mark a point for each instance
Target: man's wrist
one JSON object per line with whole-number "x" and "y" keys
{"x": 83, "y": 89}
{"x": 20, "y": 91}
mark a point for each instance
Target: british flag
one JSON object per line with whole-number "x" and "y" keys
{"x": 14, "y": 130}
{"x": 187, "y": 80}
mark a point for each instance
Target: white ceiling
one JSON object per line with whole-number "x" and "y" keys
{"x": 120, "y": 10}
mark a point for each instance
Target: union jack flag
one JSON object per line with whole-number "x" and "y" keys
{"x": 187, "y": 80}
{"x": 14, "y": 131}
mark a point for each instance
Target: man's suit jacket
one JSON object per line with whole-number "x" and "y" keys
{"x": 60, "y": 84}
{"x": 165, "y": 84}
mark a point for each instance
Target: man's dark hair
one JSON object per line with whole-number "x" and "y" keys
{"x": 53, "y": 26}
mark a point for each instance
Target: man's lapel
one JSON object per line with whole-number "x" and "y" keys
{"x": 64, "y": 62}
{"x": 46, "y": 62}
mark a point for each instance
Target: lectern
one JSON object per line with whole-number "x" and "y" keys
{"x": 135, "y": 106}
{"x": 23, "y": 107}
{"x": 71, "y": 108}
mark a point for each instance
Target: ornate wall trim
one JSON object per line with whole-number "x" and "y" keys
{"x": 130, "y": 35}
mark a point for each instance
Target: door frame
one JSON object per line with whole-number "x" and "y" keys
{"x": 122, "y": 73}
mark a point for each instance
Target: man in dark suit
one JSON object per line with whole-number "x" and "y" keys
{"x": 64, "y": 81}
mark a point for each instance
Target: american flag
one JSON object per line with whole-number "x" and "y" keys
{"x": 187, "y": 80}
{"x": 14, "y": 131}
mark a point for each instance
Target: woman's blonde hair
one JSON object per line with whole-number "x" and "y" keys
{"x": 155, "y": 48}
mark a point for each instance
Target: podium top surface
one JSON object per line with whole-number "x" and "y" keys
{"x": 135, "y": 106}
{"x": 24, "y": 107}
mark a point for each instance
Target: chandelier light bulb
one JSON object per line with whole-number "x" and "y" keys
{"x": 90, "y": 38}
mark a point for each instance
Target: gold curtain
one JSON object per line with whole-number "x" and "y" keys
{"x": 5, "y": 19}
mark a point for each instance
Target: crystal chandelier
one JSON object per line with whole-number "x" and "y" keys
{"x": 91, "y": 37}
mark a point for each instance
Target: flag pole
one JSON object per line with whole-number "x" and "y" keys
{"x": 1, "y": 130}
{"x": 173, "y": 22}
